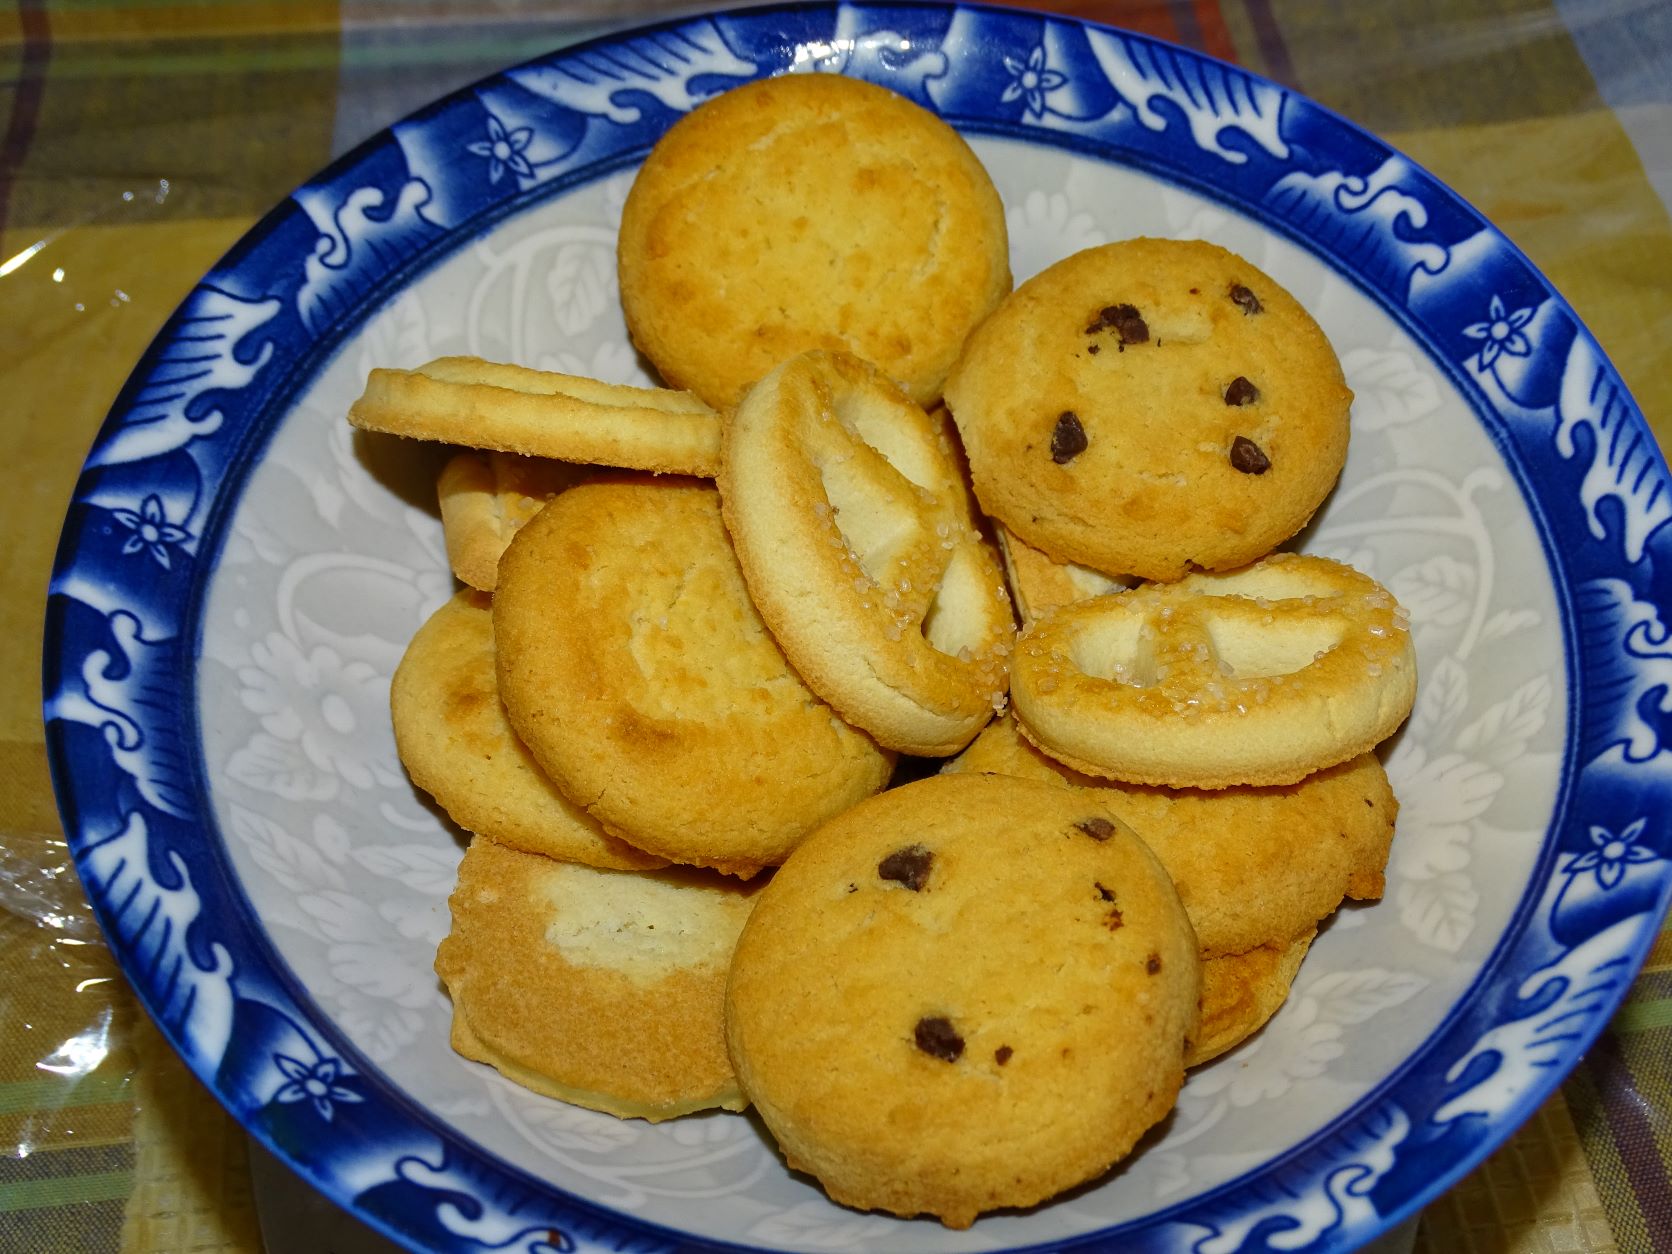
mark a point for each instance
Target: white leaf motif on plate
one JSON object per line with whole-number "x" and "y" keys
{"x": 1390, "y": 389}
{"x": 294, "y": 863}
{"x": 366, "y": 953}
{"x": 1044, "y": 229}
{"x": 581, "y": 284}
{"x": 1507, "y": 623}
{"x": 422, "y": 868}
{"x": 1438, "y": 592}
{"x": 323, "y": 704}
{"x": 1441, "y": 798}
{"x": 1439, "y": 910}
{"x": 1500, "y": 735}
{"x": 269, "y": 764}
{"x": 817, "y": 1226}
{"x": 1353, "y": 996}
{"x": 1301, "y": 1042}
{"x": 1442, "y": 696}
{"x": 572, "y": 1128}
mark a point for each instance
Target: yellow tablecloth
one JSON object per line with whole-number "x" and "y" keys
{"x": 141, "y": 139}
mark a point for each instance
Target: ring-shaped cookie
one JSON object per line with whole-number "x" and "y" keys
{"x": 1259, "y": 676}
{"x": 858, "y": 540}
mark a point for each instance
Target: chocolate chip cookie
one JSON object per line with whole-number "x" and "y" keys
{"x": 965, "y": 993}
{"x": 1151, "y": 406}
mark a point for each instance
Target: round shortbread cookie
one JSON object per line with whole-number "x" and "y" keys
{"x": 1253, "y": 866}
{"x": 458, "y": 746}
{"x": 859, "y": 542}
{"x": 486, "y": 498}
{"x": 1258, "y": 676}
{"x": 1241, "y": 992}
{"x": 966, "y": 993}
{"x": 634, "y": 666}
{"x": 1151, "y": 405}
{"x": 601, "y": 988}
{"x": 809, "y": 211}
{"x": 539, "y": 413}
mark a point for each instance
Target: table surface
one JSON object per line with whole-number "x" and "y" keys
{"x": 139, "y": 140}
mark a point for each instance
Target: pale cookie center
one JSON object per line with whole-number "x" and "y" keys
{"x": 700, "y": 648}
{"x": 1197, "y": 649}
{"x": 643, "y": 925}
{"x": 956, "y": 622}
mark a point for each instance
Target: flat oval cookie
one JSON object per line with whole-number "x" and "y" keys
{"x": 634, "y": 666}
{"x": 968, "y": 992}
{"x": 809, "y": 211}
{"x": 486, "y": 498}
{"x": 540, "y": 413}
{"x": 601, "y": 988}
{"x": 1253, "y": 866}
{"x": 1257, "y": 676}
{"x": 859, "y": 542}
{"x": 1150, "y": 406}
{"x": 457, "y": 745}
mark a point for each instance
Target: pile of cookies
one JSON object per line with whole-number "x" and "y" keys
{"x": 701, "y": 624}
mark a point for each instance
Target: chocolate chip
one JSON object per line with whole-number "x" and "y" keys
{"x": 936, "y": 1037}
{"x": 1001, "y": 1055}
{"x": 1124, "y": 320}
{"x": 1068, "y": 438}
{"x": 1107, "y": 894}
{"x": 1152, "y": 964}
{"x": 1114, "y": 921}
{"x": 908, "y": 866}
{"x": 1095, "y": 349}
{"x": 1241, "y": 392}
{"x": 1249, "y": 457}
{"x": 1130, "y": 325}
{"x": 1245, "y": 300}
{"x": 1097, "y": 827}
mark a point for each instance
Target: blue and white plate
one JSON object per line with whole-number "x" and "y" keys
{"x": 240, "y": 573}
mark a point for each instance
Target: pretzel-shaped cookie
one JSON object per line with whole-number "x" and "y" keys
{"x": 487, "y": 405}
{"x": 1260, "y": 676}
{"x": 858, "y": 541}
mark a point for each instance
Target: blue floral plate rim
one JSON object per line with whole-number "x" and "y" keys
{"x": 134, "y": 832}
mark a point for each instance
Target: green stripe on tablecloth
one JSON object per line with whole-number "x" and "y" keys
{"x": 279, "y": 54}
{"x": 1640, "y": 1016}
{"x": 103, "y": 1186}
{"x": 84, "y": 1228}
{"x": 44, "y": 1094}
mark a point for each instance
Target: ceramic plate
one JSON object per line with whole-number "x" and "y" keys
{"x": 240, "y": 573}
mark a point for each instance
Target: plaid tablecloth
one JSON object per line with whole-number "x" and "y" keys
{"x": 139, "y": 139}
